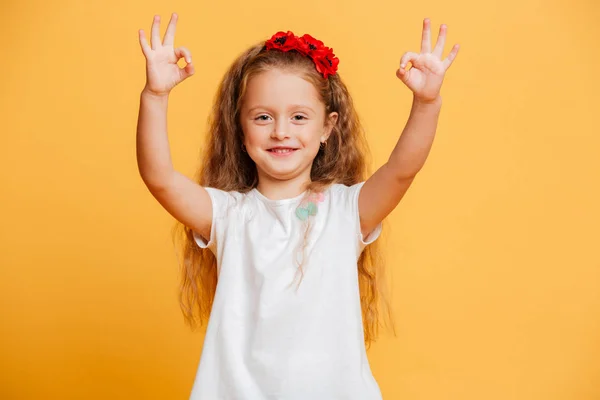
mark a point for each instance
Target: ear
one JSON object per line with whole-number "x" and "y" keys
{"x": 330, "y": 122}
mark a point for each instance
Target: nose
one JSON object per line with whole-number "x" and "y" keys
{"x": 280, "y": 129}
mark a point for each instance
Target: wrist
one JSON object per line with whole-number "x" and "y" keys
{"x": 427, "y": 102}
{"x": 148, "y": 93}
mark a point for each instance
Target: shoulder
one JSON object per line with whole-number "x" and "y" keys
{"x": 344, "y": 194}
{"x": 225, "y": 201}
{"x": 226, "y": 194}
{"x": 343, "y": 198}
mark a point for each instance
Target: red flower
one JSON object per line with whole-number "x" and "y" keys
{"x": 313, "y": 44}
{"x": 286, "y": 41}
{"x": 325, "y": 61}
{"x": 323, "y": 57}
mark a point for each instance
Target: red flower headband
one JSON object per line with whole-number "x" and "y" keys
{"x": 323, "y": 57}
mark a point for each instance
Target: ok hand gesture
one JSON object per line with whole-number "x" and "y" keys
{"x": 162, "y": 71}
{"x": 425, "y": 77}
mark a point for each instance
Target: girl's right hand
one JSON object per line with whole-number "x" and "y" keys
{"x": 162, "y": 71}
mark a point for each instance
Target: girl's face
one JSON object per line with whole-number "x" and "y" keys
{"x": 284, "y": 124}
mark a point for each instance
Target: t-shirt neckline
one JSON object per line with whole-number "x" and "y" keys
{"x": 280, "y": 201}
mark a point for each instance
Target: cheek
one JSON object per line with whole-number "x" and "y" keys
{"x": 311, "y": 138}
{"x": 254, "y": 135}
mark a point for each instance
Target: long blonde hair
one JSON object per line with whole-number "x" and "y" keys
{"x": 225, "y": 166}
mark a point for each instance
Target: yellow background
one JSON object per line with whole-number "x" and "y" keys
{"x": 493, "y": 252}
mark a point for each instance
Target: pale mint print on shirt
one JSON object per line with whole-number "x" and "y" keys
{"x": 309, "y": 205}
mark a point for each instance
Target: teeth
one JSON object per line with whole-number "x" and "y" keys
{"x": 281, "y": 150}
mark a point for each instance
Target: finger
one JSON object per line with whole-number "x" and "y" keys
{"x": 441, "y": 42}
{"x": 426, "y": 37}
{"x": 156, "y": 32}
{"x": 403, "y": 75}
{"x": 144, "y": 44}
{"x": 183, "y": 52}
{"x": 409, "y": 56}
{"x": 170, "y": 34}
{"x": 186, "y": 72}
{"x": 448, "y": 61}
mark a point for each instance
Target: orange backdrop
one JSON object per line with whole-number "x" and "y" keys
{"x": 492, "y": 253}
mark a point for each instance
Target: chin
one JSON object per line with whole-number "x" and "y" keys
{"x": 282, "y": 172}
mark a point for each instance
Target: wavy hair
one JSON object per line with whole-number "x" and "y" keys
{"x": 225, "y": 166}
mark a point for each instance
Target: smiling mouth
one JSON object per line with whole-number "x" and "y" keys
{"x": 282, "y": 150}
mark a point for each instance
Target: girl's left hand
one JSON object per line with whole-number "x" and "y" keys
{"x": 428, "y": 69}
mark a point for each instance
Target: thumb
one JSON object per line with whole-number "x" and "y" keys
{"x": 186, "y": 71}
{"x": 403, "y": 74}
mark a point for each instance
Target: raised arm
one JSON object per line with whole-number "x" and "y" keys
{"x": 184, "y": 199}
{"x": 383, "y": 191}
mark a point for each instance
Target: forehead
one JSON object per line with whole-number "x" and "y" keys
{"x": 278, "y": 89}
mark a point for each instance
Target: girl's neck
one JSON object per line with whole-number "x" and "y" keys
{"x": 279, "y": 190}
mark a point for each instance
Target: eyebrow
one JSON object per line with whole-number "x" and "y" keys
{"x": 291, "y": 107}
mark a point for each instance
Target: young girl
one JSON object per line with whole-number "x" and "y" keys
{"x": 279, "y": 223}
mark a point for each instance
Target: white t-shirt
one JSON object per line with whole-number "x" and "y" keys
{"x": 268, "y": 337}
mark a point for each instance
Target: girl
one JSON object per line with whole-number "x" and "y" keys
{"x": 279, "y": 224}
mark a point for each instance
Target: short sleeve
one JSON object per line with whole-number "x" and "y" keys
{"x": 221, "y": 201}
{"x": 351, "y": 198}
